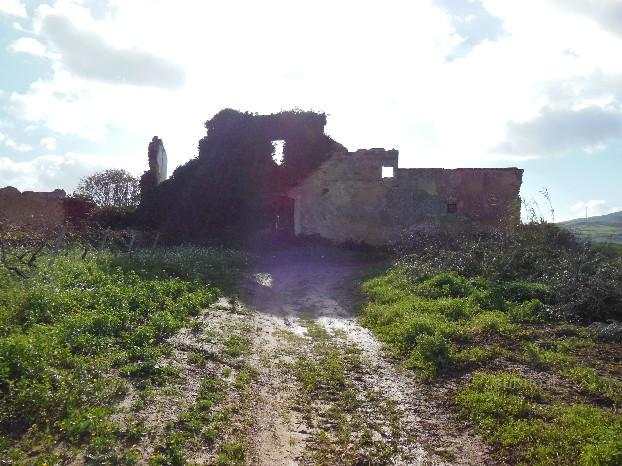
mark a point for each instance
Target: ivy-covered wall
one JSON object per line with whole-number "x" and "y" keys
{"x": 234, "y": 189}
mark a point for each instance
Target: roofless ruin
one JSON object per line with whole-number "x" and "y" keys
{"x": 241, "y": 185}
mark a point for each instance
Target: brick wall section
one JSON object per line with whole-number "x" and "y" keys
{"x": 347, "y": 199}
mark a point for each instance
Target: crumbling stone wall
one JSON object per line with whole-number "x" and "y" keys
{"x": 157, "y": 159}
{"x": 157, "y": 173}
{"x": 32, "y": 209}
{"x": 346, "y": 198}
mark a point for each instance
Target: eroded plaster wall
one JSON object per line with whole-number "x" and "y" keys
{"x": 347, "y": 199}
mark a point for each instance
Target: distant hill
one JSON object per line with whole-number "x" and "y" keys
{"x": 601, "y": 228}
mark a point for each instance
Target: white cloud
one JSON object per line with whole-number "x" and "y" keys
{"x": 73, "y": 106}
{"x": 557, "y": 131}
{"x": 13, "y": 8}
{"x": 607, "y": 13}
{"x": 20, "y": 147}
{"x": 28, "y": 45}
{"x": 472, "y": 23}
{"x": 378, "y": 70}
{"x": 19, "y": 27}
{"x": 88, "y": 55}
{"x": 594, "y": 207}
{"x": 11, "y": 144}
{"x": 597, "y": 88}
{"x": 48, "y": 172}
{"x": 48, "y": 143}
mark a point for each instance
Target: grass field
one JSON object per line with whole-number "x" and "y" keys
{"x": 602, "y": 229}
{"x": 134, "y": 358}
{"x": 80, "y": 334}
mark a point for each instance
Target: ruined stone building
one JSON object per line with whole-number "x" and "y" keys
{"x": 239, "y": 187}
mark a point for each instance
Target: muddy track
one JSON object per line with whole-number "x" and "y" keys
{"x": 294, "y": 293}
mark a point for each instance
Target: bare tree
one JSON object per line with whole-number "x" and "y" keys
{"x": 22, "y": 245}
{"x": 110, "y": 188}
{"x": 531, "y": 208}
{"x": 547, "y": 196}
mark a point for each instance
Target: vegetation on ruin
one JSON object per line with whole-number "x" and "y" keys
{"x": 512, "y": 313}
{"x": 232, "y": 189}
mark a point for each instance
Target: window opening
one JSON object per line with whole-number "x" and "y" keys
{"x": 387, "y": 172}
{"x": 277, "y": 151}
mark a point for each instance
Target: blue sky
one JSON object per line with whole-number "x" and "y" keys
{"x": 85, "y": 84}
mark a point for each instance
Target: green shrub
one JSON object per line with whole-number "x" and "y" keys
{"x": 236, "y": 345}
{"x": 487, "y": 299}
{"x": 454, "y": 309}
{"x": 531, "y": 311}
{"x": 172, "y": 452}
{"x": 488, "y": 322}
{"x": 478, "y": 354}
{"x": 232, "y": 453}
{"x": 327, "y": 372}
{"x": 520, "y": 291}
{"x": 431, "y": 355}
{"x": 507, "y": 409}
{"x": 444, "y": 285}
{"x": 443, "y": 309}
{"x": 593, "y": 383}
{"x": 83, "y": 424}
{"x": 543, "y": 358}
{"x": 217, "y": 266}
{"x": 389, "y": 287}
{"x": 534, "y": 261}
{"x": 490, "y": 399}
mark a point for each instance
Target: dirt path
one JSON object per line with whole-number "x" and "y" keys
{"x": 324, "y": 392}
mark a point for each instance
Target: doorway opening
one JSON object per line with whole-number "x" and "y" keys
{"x": 283, "y": 217}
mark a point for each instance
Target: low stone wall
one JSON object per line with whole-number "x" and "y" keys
{"x": 32, "y": 209}
{"x": 347, "y": 199}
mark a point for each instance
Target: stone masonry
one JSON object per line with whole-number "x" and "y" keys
{"x": 157, "y": 160}
{"x": 32, "y": 209}
{"x": 347, "y": 198}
